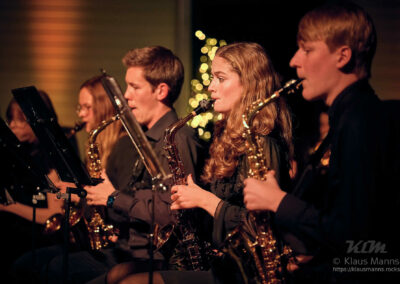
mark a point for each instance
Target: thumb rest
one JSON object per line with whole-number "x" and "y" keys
{"x": 190, "y": 253}
{"x": 253, "y": 244}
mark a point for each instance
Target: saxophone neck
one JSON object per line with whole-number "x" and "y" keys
{"x": 171, "y": 130}
{"x": 174, "y": 161}
{"x": 290, "y": 87}
{"x": 96, "y": 131}
{"x": 95, "y": 166}
{"x": 204, "y": 105}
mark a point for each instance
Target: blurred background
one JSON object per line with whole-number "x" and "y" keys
{"x": 56, "y": 45}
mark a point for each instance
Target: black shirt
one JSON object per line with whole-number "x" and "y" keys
{"x": 355, "y": 203}
{"x": 134, "y": 200}
{"x": 231, "y": 211}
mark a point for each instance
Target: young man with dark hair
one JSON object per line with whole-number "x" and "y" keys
{"x": 154, "y": 78}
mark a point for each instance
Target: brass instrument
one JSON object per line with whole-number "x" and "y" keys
{"x": 190, "y": 252}
{"x": 99, "y": 231}
{"x": 53, "y": 224}
{"x": 253, "y": 244}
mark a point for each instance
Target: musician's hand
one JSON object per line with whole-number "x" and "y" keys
{"x": 293, "y": 264}
{"x": 62, "y": 186}
{"x": 113, "y": 238}
{"x": 98, "y": 194}
{"x": 263, "y": 195}
{"x": 186, "y": 196}
{"x": 192, "y": 196}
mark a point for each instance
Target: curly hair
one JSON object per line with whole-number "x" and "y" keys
{"x": 259, "y": 80}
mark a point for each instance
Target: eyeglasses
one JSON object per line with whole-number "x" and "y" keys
{"x": 85, "y": 108}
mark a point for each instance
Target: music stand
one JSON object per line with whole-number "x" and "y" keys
{"x": 20, "y": 175}
{"x": 66, "y": 161}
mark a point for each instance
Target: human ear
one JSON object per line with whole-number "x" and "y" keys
{"x": 162, "y": 91}
{"x": 343, "y": 56}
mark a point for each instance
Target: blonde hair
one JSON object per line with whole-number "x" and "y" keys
{"x": 342, "y": 24}
{"x": 259, "y": 80}
{"x": 103, "y": 110}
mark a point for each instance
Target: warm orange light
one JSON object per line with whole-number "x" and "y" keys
{"x": 54, "y": 35}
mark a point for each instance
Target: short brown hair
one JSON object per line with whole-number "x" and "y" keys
{"x": 342, "y": 24}
{"x": 160, "y": 65}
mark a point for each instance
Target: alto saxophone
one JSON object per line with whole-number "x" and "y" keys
{"x": 99, "y": 231}
{"x": 259, "y": 257}
{"x": 190, "y": 253}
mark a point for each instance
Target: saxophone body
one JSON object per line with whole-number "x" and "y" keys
{"x": 260, "y": 256}
{"x": 98, "y": 231}
{"x": 190, "y": 253}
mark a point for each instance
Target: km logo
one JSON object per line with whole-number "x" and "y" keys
{"x": 370, "y": 246}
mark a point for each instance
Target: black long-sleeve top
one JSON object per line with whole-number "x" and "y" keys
{"x": 356, "y": 202}
{"x": 231, "y": 210}
{"x": 133, "y": 201}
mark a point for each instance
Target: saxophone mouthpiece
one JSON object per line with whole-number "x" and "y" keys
{"x": 204, "y": 105}
{"x": 79, "y": 125}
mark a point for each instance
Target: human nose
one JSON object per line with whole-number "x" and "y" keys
{"x": 211, "y": 87}
{"x": 12, "y": 124}
{"x": 295, "y": 61}
{"x": 16, "y": 123}
{"x": 127, "y": 93}
{"x": 79, "y": 112}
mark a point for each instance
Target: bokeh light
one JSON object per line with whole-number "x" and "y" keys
{"x": 203, "y": 122}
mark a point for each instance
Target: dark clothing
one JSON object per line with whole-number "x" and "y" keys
{"x": 135, "y": 203}
{"x": 355, "y": 201}
{"x": 132, "y": 205}
{"x": 22, "y": 235}
{"x": 231, "y": 213}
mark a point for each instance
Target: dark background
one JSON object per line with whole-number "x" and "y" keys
{"x": 273, "y": 25}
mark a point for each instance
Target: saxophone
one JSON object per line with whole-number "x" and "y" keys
{"x": 253, "y": 244}
{"x": 99, "y": 231}
{"x": 190, "y": 253}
